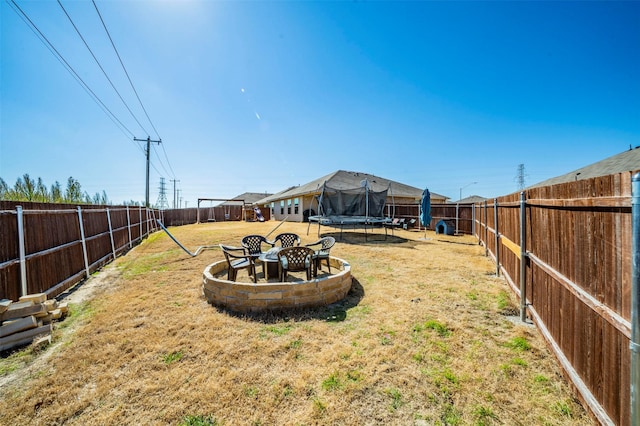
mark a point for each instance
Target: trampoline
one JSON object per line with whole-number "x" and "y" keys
{"x": 351, "y": 207}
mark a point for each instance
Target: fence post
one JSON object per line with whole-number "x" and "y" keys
{"x": 523, "y": 259}
{"x": 22, "y": 252}
{"x": 113, "y": 247}
{"x": 634, "y": 345}
{"x": 146, "y": 221}
{"x": 495, "y": 220}
{"x": 457, "y": 215}
{"x": 140, "y": 222}
{"x": 84, "y": 243}
{"x": 129, "y": 226}
{"x": 473, "y": 219}
{"x": 486, "y": 230}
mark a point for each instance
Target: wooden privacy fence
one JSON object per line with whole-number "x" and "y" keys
{"x": 462, "y": 214}
{"x": 567, "y": 249}
{"x": 49, "y": 251}
{"x": 179, "y": 217}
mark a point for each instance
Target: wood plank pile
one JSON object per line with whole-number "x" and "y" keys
{"x": 28, "y": 320}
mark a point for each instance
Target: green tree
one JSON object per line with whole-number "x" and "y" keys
{"x": 4, "y": 189}
{"x": 41, "y": 194}
{"x": 73, "y": 193}
{"x": 56, "y": 193}
{"x": 25, "y": 189}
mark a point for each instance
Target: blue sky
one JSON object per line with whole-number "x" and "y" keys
{"x": 259, "y": 96}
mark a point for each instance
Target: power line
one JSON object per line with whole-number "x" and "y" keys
{"x": 101, "y": 68}
{"x": 161, "y": 163}
{"x": 125, "y": 70}
{"x": 67, "y": 66}
{"x": 168, "y": 163}
{"x": 104, "y": 25}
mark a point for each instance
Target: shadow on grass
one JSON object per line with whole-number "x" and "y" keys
{"x": 335, "y": 312}
{"x": 462, "y": 243}
{"x": 362, "y": 238}
{"x": 359, "y": 238}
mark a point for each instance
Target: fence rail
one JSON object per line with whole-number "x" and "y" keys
{"x": 566, "y": 251}
{"x": 48, "y": 248}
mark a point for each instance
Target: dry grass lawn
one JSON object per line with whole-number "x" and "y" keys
{"x": 423, "y": 338}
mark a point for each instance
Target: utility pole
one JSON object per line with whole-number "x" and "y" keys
{"x": 174, "y": 192}
{"x": 147, "y": 152}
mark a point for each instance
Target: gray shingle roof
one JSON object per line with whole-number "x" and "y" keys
{"x": 624, "y": 162}
{"x": 342, "y": 179}
{"x": 248, "y": 197}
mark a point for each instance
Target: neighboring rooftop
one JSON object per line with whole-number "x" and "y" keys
{"x": 247, "y": 197}
{"x": 471, "y": 199}
{"x": 342, "y": 179}
{"x": 624, "y": 162}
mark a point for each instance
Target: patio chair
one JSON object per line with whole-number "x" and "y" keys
{"x": 237, "y": 261}
{"x": 253, "y": 245}
{"x": 395, "y": 223}
{"x": 286, "y": 239}
{"x": 293, "y": 259}
{"x": 410, "y": 224}
{"x": 322, "y": 254}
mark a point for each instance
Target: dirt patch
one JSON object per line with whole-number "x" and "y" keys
{"x": 99, "y": 282}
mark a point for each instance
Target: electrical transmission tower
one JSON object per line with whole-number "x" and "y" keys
{"x": 520, "y": 177}
{"x": 162, "y": 197}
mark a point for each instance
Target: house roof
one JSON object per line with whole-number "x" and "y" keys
{"x": 624, "y": 162}
{"x": 248, "y": 197}
{"x": 471, "y": 199}
{"x": 342, "y": 179}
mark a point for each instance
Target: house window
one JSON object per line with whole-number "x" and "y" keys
{"x": 281, "y": 206}
{"x": 289, "y": 206}
{"x": 295, "y": 206}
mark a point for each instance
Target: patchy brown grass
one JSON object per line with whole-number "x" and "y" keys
{"x": 422, "y": 338}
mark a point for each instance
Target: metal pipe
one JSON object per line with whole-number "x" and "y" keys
{"x": 473, "y": 219}
{"x": 129, "y": 227}
{"x": 486, "y": 230}
{"x": 84, "y": 243}
{"x": 194, "y": 254}
{"x": 278, "y": 226}
{"x": 22, "y": 252}
{"x": 634, "y": 345}
{"x": 113, "y": 246}
{"x": 523, "y": 259}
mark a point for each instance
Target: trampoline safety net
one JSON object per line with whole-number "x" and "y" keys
{"x": 361, "y": 202}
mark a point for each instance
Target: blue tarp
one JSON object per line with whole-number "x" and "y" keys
{"x": 425, "y": 208}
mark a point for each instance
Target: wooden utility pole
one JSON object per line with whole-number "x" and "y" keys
{"x": 147, "y": 152}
